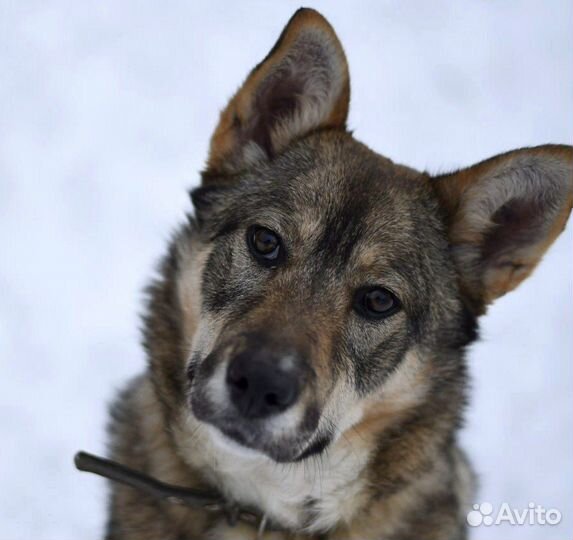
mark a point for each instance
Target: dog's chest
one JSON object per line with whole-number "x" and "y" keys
{"x": 315, "y": 494}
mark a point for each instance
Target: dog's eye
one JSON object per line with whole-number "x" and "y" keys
{"x": 376, "y": 302}
{"x": 265, "y": 245}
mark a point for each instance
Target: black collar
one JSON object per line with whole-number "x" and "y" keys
{"x": 208, "y": 500}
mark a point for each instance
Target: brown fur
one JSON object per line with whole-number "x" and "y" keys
{"x": 240, "y": 114}
{"x": 369, "y": 448}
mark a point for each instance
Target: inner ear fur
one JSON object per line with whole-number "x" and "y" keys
{"x": 302, "y": 85}
{"x": 503, "y": 214}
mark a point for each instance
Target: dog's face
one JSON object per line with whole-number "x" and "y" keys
{"x": 316, "y": 285}
{"x": 322, "y": 274}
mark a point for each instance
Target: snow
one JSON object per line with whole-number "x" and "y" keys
{"x": 105, "y": 113}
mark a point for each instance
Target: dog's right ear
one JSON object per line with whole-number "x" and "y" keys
{"x": 302, "y": 85}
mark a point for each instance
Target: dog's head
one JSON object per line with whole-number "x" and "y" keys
{"x": 326, "y": 286}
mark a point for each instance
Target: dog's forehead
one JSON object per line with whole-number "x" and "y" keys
{"x": 342, "y": 197}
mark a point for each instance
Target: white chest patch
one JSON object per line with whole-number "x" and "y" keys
{"x": 315, "y": 494}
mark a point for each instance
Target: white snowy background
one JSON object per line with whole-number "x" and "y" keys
{"x": 105, "y": 113}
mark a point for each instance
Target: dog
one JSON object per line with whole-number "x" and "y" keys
{"x": 307, "y": 329}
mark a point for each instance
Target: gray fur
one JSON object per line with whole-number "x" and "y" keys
{"x": 382, "y": 401}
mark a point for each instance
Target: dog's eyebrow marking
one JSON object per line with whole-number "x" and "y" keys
{"x": 227, "y": 227}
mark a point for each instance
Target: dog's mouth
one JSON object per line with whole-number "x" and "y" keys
{"x": 283, "y": 446}
{"x": 287, "y": 451}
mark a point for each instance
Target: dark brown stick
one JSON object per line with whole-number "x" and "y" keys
{"x": 147, "y": 484}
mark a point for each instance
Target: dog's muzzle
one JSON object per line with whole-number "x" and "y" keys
{"x": 256, "y": 389}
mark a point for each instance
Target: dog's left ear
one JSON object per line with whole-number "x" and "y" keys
{"x": 503, "y": 214}
{"x": 302, "y": 85}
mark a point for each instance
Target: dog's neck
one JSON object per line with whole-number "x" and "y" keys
{"x": 313, "y": 495}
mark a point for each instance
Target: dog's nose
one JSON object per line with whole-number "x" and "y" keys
{"x": 261, "y": 383}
